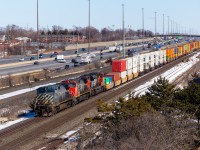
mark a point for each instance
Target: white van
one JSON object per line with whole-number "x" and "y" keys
{"x": 85, "y": 58}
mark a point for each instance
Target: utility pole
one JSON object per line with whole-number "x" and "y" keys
{"x": 123, "y": 30}
{"x": 155, "y": 22}
{"x": 89, "y": 29}
{"x": 143, "y": 27}
{"x": 37, "y": 32}
{"x": 163, "y": 24}
{"x": 168, "y": 24}
{"x": 171, "y": 27}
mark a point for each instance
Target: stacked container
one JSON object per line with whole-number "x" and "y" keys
{"x": 141, "y": 63}
{"x": 179, "y": 51}
{"x": 129, "y": 68}
{"x": 156, "y": 59}
{"x": 146, "y": 62}
{"x": 175, "y": 53}
{"x": 168, "y": 55}
{"x": 120, "y": 66}
{"x": 115, "y": 77}
{"x": 108, "y": 82}
{"x": 161, "y": 56}
{"x": 152, "y": 60}
{"x": 135, "y": 66}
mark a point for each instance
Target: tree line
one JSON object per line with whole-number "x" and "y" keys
{"x": 105, "y": 34}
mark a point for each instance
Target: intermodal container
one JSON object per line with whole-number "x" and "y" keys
{"x": 129, "y": 72}
{"x": 107, "y": 79}
{"x": 135, "y": 61}
{"x": 160, "y": 57}
{"x": 115, "y": 76}
{"x": 175, "y": 52}
{"x": 123, "y": 74}
{"x": 141, "y": 62}
{"x": 119, "y": 65}
{"x": 152, "y": 59}
{"x": 129, "y": 63}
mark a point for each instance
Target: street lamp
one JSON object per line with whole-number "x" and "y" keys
{"x": 89, "y": 29}
{"x": 123, "y": 30}
{"x": 143, "y": 27}
{"x": 163, "y": 24}
{"x": 155, "y": 22}
{"x": 37, "y": 32}
{"x": 168, "y": 24}
{"x": 171, "y": 27}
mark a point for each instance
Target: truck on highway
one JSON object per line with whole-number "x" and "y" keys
{"x": 60, "y": 58}
{"x": 119, "y": 48}
{"x": 112, "y": 48}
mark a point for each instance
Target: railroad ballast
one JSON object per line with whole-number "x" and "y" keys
{"x": 53, "y": 98}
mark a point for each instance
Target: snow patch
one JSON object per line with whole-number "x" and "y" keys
{"x": 11, "y": 94}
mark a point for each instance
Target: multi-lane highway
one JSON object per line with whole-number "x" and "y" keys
{"x": 11, "y": 66}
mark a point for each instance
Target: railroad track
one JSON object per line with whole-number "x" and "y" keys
{"x": 166, "y": 76}
{"x": 72, "y": 117}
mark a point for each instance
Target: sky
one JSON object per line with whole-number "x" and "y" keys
{"x": 104, "y": 13}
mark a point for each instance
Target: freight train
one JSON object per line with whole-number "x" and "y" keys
{"x": 67, "y": 93}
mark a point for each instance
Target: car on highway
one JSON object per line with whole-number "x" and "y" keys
{"x": 83, "y": 49}
{"x": 74, "y": 60}
{"x": 55, "y": 53}
{"x": 21, "y": 59}
{"x": 78, "y": 55}
{"x": 36, "y": 63}
{"x": 41, "y": 56}
{"x": 32, "y": 58}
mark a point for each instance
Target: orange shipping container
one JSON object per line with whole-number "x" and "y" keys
{"x": 115, "y": 76}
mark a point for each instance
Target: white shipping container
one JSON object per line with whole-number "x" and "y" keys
{"x": 135, "y": 61}
{"x": 141, "y": 68}
{"x": 164, "y": 55}
{"x": 123, "y": 74}
{"x": 135, "y": 70}
{"x": 141, "y": 59}
{"x": 152, "y": 61}
{"x": 141, "y": 62}
{"x": 157, "y": 53}
{"x": 129, "y": 63}
{"x": 146, "y": 60}
{"x": 129, "y": 72}
{"x": 161, "y": 55}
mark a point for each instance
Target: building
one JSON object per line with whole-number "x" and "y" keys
{"x": 62, "y": 38}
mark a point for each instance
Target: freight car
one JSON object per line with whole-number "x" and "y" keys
{"x": 52, "y": 99}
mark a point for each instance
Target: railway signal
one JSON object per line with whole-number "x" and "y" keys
{"x": 101, "y": 54}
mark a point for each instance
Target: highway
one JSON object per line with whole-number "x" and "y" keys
{"x": 70, "y": 51}
{"x": 28, "y": 66}
{"x": 47, "y": 64}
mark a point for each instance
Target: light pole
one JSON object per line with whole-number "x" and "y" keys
{"x": 155, "y": 22}
{"x": 168, "y": 24}
{"x": 123, "y": 30}
{"x": 171, "y": 27}
{"x": 143, "y": 27}
{"x": 163, "y": 24}
{"x": 89, "y": 29}
{"x": 37, "y": 32}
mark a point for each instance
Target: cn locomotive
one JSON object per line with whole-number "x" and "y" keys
{"x": 67, "y": 93}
